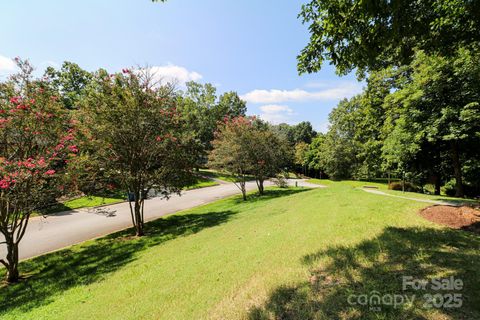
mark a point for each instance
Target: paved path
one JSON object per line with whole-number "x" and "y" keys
{"x": 66, "y": 228}
{"x": 438, "y": 202}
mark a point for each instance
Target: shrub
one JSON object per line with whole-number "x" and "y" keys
{"x": 281, "y": 180}
{"x": 398, "y": 185}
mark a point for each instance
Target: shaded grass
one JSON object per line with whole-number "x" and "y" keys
{"x": 375, "y": 267}
{"x": 292, "y": 254}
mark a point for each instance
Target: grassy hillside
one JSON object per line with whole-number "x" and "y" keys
{"x": 292, "y": 254}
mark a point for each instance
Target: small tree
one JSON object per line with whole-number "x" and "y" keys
{"x": 35, "y": 139}
{"x": 232, "y": 148}
{"x": 136, "y": 137}
{"x": 268, "y": 154}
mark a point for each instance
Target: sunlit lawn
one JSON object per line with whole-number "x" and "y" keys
{"x": 84, "y": 202}
{"x": 220, "y": 175}
{"x": 202, "y": 182}
{"x": 292, "y": 254}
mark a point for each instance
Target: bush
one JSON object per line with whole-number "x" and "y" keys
{"x": 281, "y": 180}
{"x": 470, "y": 191}
{"x": 409, "y": 187}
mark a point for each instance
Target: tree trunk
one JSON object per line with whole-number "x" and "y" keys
{"x": 260, "y": 186}
{"x": 12, "y": 261}
{"x": 138, "y": 216}
{"x": 457, "y": 169}
{"x": 438, "y": 185}
{"x": 244, "y": 190}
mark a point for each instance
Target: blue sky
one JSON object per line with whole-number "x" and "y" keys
{"x": 246, "y": 46}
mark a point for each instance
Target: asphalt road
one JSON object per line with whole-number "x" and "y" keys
{"x": 70, "y": 227}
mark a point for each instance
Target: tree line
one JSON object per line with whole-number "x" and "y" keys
{"x": 419, "y": 114}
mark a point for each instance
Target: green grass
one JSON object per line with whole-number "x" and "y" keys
{"x": 221, "y": 175}
{"x": 292, "y": 254}
{"x": 84, "y": 202}
{"x": 383, "y": 186}
{"x": 201, "y": 182}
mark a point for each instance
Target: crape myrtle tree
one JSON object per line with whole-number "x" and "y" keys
{"x": 136, "y": 136}
{"x": 232, "y": 148}
{"x": 36, "y": 138}
{"x": 247, "y": 146}
{"x": 269, "y": 154}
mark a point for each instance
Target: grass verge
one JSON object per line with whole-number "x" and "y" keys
{"x": 292, "y": 254}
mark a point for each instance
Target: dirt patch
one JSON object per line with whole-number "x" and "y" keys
{"x": 466, "y": 218}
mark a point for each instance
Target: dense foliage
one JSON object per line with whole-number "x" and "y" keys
{"x": 36, "y": 139}
{"x": 371, "y": 35}
{"x": 137, "y": 137}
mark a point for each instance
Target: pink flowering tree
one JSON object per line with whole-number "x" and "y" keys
{"x": 134, "y": 136}
{"x": 35, "y": 140}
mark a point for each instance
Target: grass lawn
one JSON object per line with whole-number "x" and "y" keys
{"x": 202, "y": 183}
{"x": 221, "y": 175}
{"x": 84, "y": 202}
{"x": 383, "y": 186}
{"x": 292, "y": 254}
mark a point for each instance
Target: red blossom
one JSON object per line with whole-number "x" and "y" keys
{"x": 4, "y": 184}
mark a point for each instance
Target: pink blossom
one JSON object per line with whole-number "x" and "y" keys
{"x": 4, "y": 184}
{"x": 50, "y": 172}
{"x": 15, "y": 100}
{"x": 73, "y": 148}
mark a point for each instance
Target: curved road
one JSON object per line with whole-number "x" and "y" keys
{"x": 70, "y": 227}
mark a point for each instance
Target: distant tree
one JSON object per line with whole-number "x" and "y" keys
{"x": 312, "y": 154}
{"x": 269, "y": 154}
{"x": 301, "y": 150}
{"x": 135, "y": 132}
{"x": 203, "y": 111}
{"x": 70, "y": 82}
{"x": 36, "y": 139}
{"x": 232, "y": 148}
{"x": 303, "y": 132}
{"x": 230, "y": 105}
{"x": 371, "y": 35}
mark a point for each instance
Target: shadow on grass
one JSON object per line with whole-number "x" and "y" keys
{"x": 272, "y": 193}
{"x": 53, "y": 273}
{"x": 376, "y": 267}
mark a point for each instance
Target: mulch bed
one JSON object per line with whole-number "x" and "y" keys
{"x": 465, "y": 218}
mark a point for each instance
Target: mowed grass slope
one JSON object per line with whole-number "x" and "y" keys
{"x": 292, "y": 254}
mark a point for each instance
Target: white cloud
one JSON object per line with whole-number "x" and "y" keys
{"x": 174, "y": 74}
{"x": 344, "y": 90}
{"x": 275, "y": 113}
{"x": 7, "y": 65}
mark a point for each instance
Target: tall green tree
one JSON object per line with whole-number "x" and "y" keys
{"x": 370, "y": 35}
{"x": 439, "y": 108}
{"x": 70, "y": 82}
